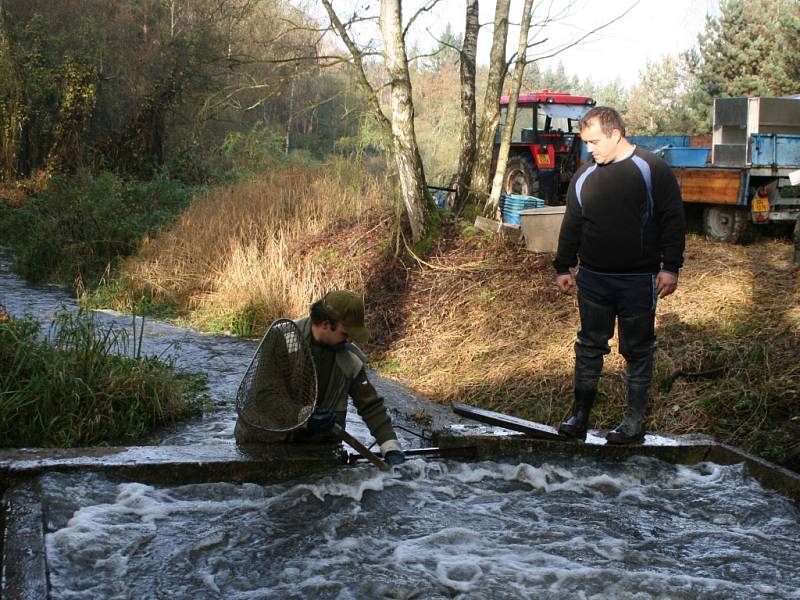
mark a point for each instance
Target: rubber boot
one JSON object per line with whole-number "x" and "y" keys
{"x": 575, "y": 427}
{"x": 637, "y": 345}
{"x": 597, "y": 327}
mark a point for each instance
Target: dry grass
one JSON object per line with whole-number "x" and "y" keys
{"x": 485, "y": 325}
{"x": 247, "y": 253}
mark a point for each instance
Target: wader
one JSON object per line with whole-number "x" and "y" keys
{"x": 603, "y": 298}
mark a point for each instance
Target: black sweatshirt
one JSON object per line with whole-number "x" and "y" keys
{"x": 616, "y": 225}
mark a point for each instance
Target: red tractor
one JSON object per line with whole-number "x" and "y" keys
{"x": 545, "y": 144}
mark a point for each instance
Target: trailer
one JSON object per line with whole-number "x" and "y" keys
{"x": 742, "y": 178}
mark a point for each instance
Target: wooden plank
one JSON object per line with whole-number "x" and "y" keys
{"x": 508, "y": 230}
{"x": 490, "y": 417}
{"x": 487, "y": 225}
{"x": 713, "y": 186}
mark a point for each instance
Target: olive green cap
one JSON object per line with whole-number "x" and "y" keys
{"x": 347, "y": 308}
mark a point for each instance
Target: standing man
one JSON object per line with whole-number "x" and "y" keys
{"x": 624, "y": 221}
{"x": 335, "y": 320}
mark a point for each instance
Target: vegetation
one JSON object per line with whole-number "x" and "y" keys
{"x": 84, "y": 386}
{"x": 253, "y": 250}
{"x": 234, "y": 93}
{"x": 73, "y": 233}
{"x": 477, "y": 319}
{"x": 138, "y": 87}
{"x": 751, "y": 49}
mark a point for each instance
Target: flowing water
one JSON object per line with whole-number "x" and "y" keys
{"x": 223, "y": 358}
{"x": 547, "y": 527}
{"x": 555, "y": 529}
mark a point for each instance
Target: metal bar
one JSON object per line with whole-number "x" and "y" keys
{"x": 490, "y": 417}
{"x": 361, "y": 448}
{"x": 458, "y": 452}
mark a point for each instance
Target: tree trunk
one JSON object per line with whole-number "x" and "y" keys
{"x": 491, "y": 107}
{"x": 493, "y": 205}
{"x": 290, "y": 119}
{"x": 404, "y": 140}
{"x": 469, "y": 51}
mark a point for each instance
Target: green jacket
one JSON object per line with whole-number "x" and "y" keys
{"x": 349, "y": 378}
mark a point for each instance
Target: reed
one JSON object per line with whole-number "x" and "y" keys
{"x": 246, "y": 253}
{"x": 81, "y": 385}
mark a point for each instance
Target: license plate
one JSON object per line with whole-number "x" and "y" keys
{"x": 544, "y": 159}
{"x": 760, "y": 204}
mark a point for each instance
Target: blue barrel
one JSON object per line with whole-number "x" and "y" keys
{"x": 511, "y": 204}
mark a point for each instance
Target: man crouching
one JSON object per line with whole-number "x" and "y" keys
{"x": 334, "y": 323}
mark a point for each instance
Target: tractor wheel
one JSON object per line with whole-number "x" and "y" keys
{"x": 727, "y": 224}
{"x": 521, "y": 177}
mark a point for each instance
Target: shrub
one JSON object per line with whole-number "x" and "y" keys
{"x": 82, "y": 385}
{"x": 72, "y": 233}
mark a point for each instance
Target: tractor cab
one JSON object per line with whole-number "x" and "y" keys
{"x": 545, "y": 144}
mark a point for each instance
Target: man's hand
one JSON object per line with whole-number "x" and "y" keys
{"x": 565, "y": 282}
{"x": 666, "y": 283}
{"x": 394, "y": 458}
{"x": 321, "y": 421}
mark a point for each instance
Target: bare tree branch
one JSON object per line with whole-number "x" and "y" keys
{"x": 358, "y": 68}
{"x": 578, "y": 40}
{"x": 425, "y": 8}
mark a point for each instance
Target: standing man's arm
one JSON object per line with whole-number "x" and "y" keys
{"x": 672, "y": 227}
{"x": 569, "y": 241}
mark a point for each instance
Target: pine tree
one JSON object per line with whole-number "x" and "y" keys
{"x": 751, "y": 49}
{"x": 657, "y": 104}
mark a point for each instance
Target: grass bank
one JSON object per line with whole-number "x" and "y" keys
{"x": 81, "y": 386}
{"x": 73, "y": 231}
{"x": 248, "y": 252}
{"x": 484, "y": 324}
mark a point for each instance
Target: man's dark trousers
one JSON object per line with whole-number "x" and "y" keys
{"x": 602, "y": 299}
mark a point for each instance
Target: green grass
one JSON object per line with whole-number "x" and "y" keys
{"x": 74, "y": 233}
{"x": 83, "y": 386}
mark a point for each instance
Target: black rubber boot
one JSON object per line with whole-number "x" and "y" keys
{"x": 597, "y": 327}
{"x": 637, "y": 345}
{"x": 575, "y": 427}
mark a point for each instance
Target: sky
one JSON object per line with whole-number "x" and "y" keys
{"x": 651, "y": 30}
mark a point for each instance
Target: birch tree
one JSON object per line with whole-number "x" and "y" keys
{"x": 491, "y": 108}
{"x": 399, "y": 128}
{"x": 493, "y": 205}
{"x": 404, "y": 140}
{"x": 498, "y": 68}
{"x": 468, "y": 54}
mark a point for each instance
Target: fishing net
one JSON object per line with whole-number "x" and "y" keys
{"x": 279, "y": 389}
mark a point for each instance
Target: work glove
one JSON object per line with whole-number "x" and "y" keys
{"x": 321, "y": 421}
{"x": 394, "y": 457}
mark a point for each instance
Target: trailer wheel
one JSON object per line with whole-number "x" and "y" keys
{"x": 727, "y": 224}
{"x": 521, "y": 177}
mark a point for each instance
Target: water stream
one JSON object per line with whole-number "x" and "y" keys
{"x": 534, "y": 527}
{"x": 491, "y": 530}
